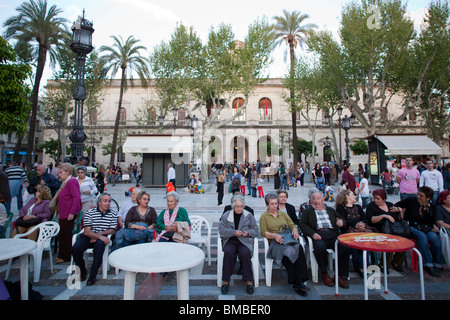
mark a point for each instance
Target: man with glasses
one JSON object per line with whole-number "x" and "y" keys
{"x": 433, "y": 179}
{"x": 408, "y": 178}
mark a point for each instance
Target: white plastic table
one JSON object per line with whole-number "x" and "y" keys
{"x": 11, "y": 248}
{"x": 157, "y": 257}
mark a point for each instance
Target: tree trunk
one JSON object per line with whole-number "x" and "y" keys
{"x": 293, "y": 110}
{"x": 34, "y": 106}
{"x": 116, "y": 125}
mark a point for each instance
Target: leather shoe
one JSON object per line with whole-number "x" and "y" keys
{"x": 342, "y": 283}
{"x": 300, "y": 291}
{"x": 83, "y": 275}
{"x": 250, "y": 289}
{"x": 327, "y": 280}
{"x": 90, "y": 282}
{"x": 224, "y": 288}
{"x": 432, "y": 272}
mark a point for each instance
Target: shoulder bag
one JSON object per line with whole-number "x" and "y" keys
{"x": 284, "y": 231}
{"x": 398, "y": 228}
{"x": 53, "y": 205}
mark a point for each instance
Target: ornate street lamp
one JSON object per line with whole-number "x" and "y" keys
{"x": 81, "y": 45}
{"x": 339, "y": 111}
{"x": 346, "y": 124}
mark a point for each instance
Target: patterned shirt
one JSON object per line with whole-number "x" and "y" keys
{"x": 99, "y": 221}
{"x": 323, "y": 219}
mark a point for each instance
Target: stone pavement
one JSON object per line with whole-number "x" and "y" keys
{"x": 203, "y": 279}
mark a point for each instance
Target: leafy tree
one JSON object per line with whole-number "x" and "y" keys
{"x": 360, "y": 147}
{"x": 126, "y": 57}
{"x": 14, "y": 92}
{"x": 40, "y": 26}
{"x": 290, "y": 29}
{"x": 193, "y": 76}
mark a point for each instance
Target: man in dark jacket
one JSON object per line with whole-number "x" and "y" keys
{"x": 322, "y": 225}
{"x": 45, "y": 179}
{"x": 4, "y": 185}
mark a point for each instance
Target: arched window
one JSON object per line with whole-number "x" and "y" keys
{"x": 152, "y": 115}
{"x": 265, "y": 109}
{"x": 237, "y": 104}
{"x": 123, "y": 116}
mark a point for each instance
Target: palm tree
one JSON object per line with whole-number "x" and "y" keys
{"x": 37, "y": 24}
{"x": 125, "y": 56}
{"x": 289, "y": 29}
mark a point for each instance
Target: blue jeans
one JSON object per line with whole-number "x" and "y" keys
{"x": 15, "y": 187}
{"x": 407, "y": 195}
{"x": 433, "y": 258}
{"x": 365, "y": 201}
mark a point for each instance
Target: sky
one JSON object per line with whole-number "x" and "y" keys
{"x": 153, "y": 21}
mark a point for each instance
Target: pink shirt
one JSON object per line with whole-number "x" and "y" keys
{"x": 409, "y": 177}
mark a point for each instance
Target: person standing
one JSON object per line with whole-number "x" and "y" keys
{"x": 16, "y": 176}
{"x": 69, "y": 205}
{"x": 4, "y": 186}
{"x": 408, "y": 178}
{"x": 171, "y": 175}
{"x": 43, "y": 178}
{"x": 220, "y": 183}
{"x": 347, "y": 176}
{"x": 433, "y": 179}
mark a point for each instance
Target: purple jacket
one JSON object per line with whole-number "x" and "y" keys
{"x": 69, "y": 199}
{"x": 40, "y": 210}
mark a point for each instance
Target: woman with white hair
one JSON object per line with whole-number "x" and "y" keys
{"x": 165, "y": 223}
{"x": 237, "y": 228}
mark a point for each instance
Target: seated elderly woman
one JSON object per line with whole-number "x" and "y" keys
{"x": 270, "y": 223}
{"x": 165, "y": 223}
{"x": 356, "y": 221}
{"x": 34, "y": 212}
{"x": 139, "y": 222}
{"x": 237, "y": 229}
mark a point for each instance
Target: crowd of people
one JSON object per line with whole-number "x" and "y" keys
{"x": 424, "y": 204}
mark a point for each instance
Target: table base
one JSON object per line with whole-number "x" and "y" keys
{"x": 366, "y": 289}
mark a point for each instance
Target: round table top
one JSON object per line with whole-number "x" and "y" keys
{"x": 379, "y": 242}
{"x": 11, "y": 248}
{"x": 157, "y": 257}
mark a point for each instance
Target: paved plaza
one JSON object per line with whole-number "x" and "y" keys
{"x": 203, "y": 279}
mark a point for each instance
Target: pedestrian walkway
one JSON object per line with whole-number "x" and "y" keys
{"x": 203, "y": 278}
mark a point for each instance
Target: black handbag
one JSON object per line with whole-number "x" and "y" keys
{"x": 27, "y": 223}
{"x": 398, "y": 228}
{"x": 425, "y": 228}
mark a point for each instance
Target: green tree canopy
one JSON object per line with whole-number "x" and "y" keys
{"x": 14, "y": 92}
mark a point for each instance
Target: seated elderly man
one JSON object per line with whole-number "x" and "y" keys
{"x": 322, "y": 225}
{"x": 99, "y": 222}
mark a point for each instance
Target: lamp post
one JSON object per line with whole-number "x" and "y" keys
{"x": 58, "y": 125}
{"x": 346, "y": 126}
{"x": 339, "y": 111}
{"x": 81, "y": 45}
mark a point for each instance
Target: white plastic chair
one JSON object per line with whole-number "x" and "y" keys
{"x": 255, "y": 262}
{"x": 269, "y": 262}
{"x": 47, "y": 230}
{"x": 197, "y": 223}
{"x": 313, "y": 261}
{"x": 105, "y": 265}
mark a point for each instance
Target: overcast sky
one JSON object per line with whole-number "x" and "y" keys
{"x": 152, "y": 21}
